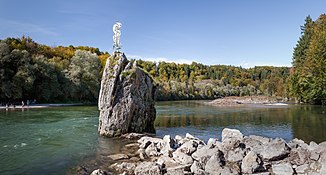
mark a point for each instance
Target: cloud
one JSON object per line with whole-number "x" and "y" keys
{"x": 160, "y": 59}
{"x": 23, "y": 27}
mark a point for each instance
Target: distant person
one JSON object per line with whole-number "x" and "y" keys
{"x": 23, "y": 104}
{"x": 27, "y": 102}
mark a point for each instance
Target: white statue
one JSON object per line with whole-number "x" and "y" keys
{"x": 116, "y": 36}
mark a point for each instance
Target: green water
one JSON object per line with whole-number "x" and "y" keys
{"x": 57, "y": 140}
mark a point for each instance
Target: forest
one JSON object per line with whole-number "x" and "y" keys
{"x": 29, "y": 70}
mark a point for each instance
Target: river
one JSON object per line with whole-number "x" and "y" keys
{"x": 56, "y": 140}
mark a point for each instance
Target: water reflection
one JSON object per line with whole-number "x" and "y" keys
{"x": 293, "y": 121}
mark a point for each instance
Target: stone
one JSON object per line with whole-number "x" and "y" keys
{"x": 98, "y": 172}
{"x": 214, "y": 164}
{"x": 126, "y": 98}
{"x": 177, "y": 170}
{"x": 203, "y": 154}
{"x": 188, "y": 147}
{"x": 146, "y": 141}
{"x": 231, "y": 138}
{"x": 302, "y": 169}
{"x": 189, "y": 136}
{"x": 235, "y": 155}
{"x": 276, "y": 149}
{"x": 299, "y": 156}
{"x": 148, "y": 168}
{"x": 282, "y": 169}
{"x": 126, "y": 167}
{"x": 212, "y": 142}
{"x": 118, "y": 156}
{"x": 152, "y": 150}
{"x": 166, "y": 161}
{"x": 250, "y": 163}
{"x": 197, "y": 169}
{"x": 255, "y": 143}
{"x": 182, "y": 158}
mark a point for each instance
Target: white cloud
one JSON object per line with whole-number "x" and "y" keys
{"x": 158, "y": 59}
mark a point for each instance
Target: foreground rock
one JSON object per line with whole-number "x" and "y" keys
{"x": 126, "y": 100}
{"x": 235, "y": 154}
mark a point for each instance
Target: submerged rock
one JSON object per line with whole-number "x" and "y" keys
{"x": 126, "y": 99}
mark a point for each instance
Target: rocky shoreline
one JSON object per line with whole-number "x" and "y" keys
{"x": 234, "y": 101}
{"x": 234, "y": 154}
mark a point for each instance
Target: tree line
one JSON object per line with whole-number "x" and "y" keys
{"x": 29, "y": 70}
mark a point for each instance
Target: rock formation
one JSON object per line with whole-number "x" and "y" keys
{"x": 126, "y": 100}
{"x": 234, "y": 154}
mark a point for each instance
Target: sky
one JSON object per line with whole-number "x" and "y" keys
{"x": 243, "y": 33}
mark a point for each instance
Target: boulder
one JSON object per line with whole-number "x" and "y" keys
{"x": 188, "y": 147}
{"x": 148, "y": 168}
{"x": 197, "y": 169}
{"x": 214, "y": 164}
{"x": 118, "y": 156}
{"x": 231, "y": 138}
{"x": 203, "y": 154}
{"x": 299, "y": 156}
{"x": 126, "y": 99}
{"x": 282, "y": 169}
{"x": 99, "y": 172}
{"x": 250, "y": 163}
{"x": 182, "y": 158}
{"x": 276, "y": 149}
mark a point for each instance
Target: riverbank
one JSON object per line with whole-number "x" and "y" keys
{"x": 36, "y": 106}
{"x": 245, "y": 100}
{"x": 234, "y": 154}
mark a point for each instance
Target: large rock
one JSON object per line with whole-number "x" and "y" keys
{"x": 148, "y": 168}
{"x": 250, "y": 163}
{"x": 126, "y": 100}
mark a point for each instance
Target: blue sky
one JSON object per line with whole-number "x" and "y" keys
{"x": 231, "y": 32}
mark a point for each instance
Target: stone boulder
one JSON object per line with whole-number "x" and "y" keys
{"x": 126, "y": 99}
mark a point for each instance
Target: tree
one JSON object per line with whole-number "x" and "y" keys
{"x": 84, "y": 73}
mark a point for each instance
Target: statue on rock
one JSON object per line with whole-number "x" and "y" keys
{"x": 126, "y": 99}
{"x": 116, "y": 37}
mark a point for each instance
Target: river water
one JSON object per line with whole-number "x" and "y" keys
{"x": 57, "y": 140}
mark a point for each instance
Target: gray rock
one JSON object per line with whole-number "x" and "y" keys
{"x": 276, "y": 149}
{"x": 175, "y": 171}
{"x": 152, "y": 150}
{"x": 146, "y": 141}
{"x": 212, "y": 142}
{"x": 182, "y": 158}
{"x": 234, "y": 155}
{"x": 203, "y": 154}
{"x": 126, "y": 167}
{"x": 126, "y": 99}
{"x": 118, "y": 156}
{"x": 166, "y": 161}
{"x": 302, "y": 169}
{"x": 98, "y": 172}
{"x": 214, "y": 164}
{"x": 299, "y": 156}
{"x": 282, "y": 169}
{"x": 188, "y": 147}
{"x": 250, "y": 163}
{"x": 148, "y": 168}
{"x": 231, "y": 138}
{"x": 197, "y": 168}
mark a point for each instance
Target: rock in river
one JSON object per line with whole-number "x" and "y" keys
{"x": 126, "y": 100}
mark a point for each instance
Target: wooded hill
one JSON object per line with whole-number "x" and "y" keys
{"x": 29, "y": 70}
